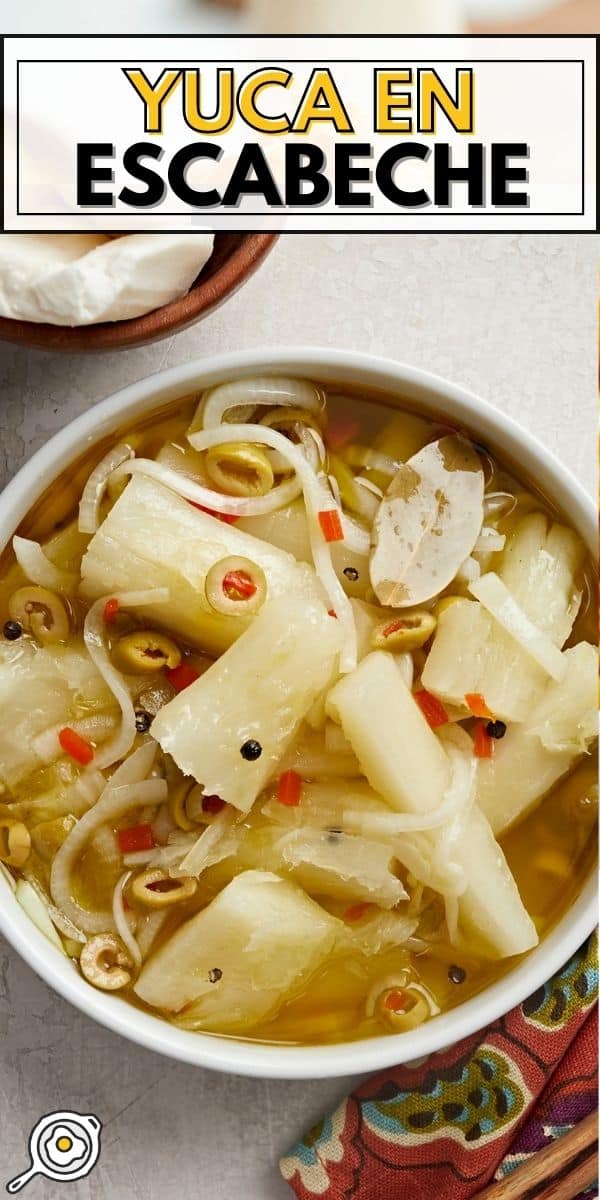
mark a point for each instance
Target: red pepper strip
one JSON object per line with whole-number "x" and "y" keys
{"x": 355, "y": 912}
{"x": 433, "y": 710}
{"x": 484, "y": 744}
{"x": 228, "y": 518}
{"x": 77, "y": 747}
{"x": 290, "y": 786}
{"x": 136, "y": 837}
{"x": 476, "y": 702}
{"x": 239, "y": 585}
{"x": 342, "y": 431}
{"x": 182, "y": 676}
{"x": 396, "y": 1001}
{"x": 111, "y": 609}
{"x": 212, "y": 804}
{"x": 331, "y": 526}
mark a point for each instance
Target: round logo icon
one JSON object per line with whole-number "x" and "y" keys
{"x": 62, "y": 1146}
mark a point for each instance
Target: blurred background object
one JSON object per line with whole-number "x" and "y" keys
{"x": 424, "y": 16}
{"x": 537, "y": 16}
{"x": 352, "y": 16}
{"x": 173, "y": 17}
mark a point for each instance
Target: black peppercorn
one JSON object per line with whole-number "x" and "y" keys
{"x": 215, "y": 975}
{"x": 143, "y": 721}
{"x": 456, "y": 974}
{"x": 12, "y": 630}
{"x": 251, "y": 750}
{"x": 351, "y": 573}
{"x": 495, "y": 729}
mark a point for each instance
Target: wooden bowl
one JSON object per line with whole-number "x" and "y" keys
{"x": 234, "y": 259}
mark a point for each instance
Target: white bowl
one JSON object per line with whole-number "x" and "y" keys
{"x": 434, "y": 396}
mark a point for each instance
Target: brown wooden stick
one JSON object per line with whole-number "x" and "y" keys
{"x": 559, "y": 1172}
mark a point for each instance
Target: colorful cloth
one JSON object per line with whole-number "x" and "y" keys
{"x": 467, "y": 1114}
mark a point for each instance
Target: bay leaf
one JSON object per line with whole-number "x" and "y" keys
{"x": 427, "y": 523}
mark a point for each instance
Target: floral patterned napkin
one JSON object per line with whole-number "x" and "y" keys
{"x": 468, "y": 1114}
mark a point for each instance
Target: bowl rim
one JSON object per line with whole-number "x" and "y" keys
{"x": 422, "y": 389}
{"x": 205, "y": 295}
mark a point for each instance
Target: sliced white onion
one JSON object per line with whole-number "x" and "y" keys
{"x": 314, "y": 446}
{"x": 469, "y": 571}
{"x": 316, "y": 498}
{"x": 335, "y": 487}
{"x": 48, "y": 748}
{"x": 489, "y": 539}
{"x": 89, "y": 786}
{"x": 203, "y": 849}
{"x": 39, "y": 570}
{"x": 37, "y": 911}
{"x": 451, "y": 909}
{"x": 431, "y": 860}
{"x": 121, "y": 922}
{"x": 178, "y": 845}
{"x": 368, "y": 484}
{"x": 462, "y": 787}
{"x": 133, "y": 771}
{"x": 406, "y": 666}
{"x": 396, "y": 824}
{"x": 356, "y": 537}
{"x": 235, "y": 506}
{"x": 93, "y": 492}
{"x": 96, "y": 727}
{"x": 150, "y": 926}
{"x": 105, "y": 845}
{"x": 135, "y": 768}
{"x": 93, "y": 633}
{"x": 494, "y": 595}
{"x": 498, "y": 504}
{"x": 113, "y": 804}
{"x": 415, "y": 852}
{"x": 62, "y": 923}
{"x": 184, "y": 461}
{"x": 138, "y": 858}
{"x": 383, "y": 930}
{"x": 248, "y": 394}
{"x": 163, "y": 825}
{"x": 297, "y": 429}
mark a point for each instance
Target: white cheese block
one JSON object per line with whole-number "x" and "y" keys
{"x": 123, "y": 278}
{"x": 81, "y": 279}
{"x": 27, "y": 258}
